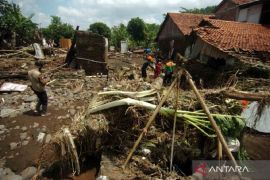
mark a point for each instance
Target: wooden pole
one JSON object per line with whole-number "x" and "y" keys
{"x": 174, "y": 121}
{"x": 219, "y": 149}
{"x": 210, "y": 117}
{"x": 151, "y": 119}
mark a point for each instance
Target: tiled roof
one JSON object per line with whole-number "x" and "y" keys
{"x": 240, "y": 2}
{"x": 229, "y": 35}
{"x": 186, "y": 21}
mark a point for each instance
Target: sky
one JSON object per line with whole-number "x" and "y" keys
{"x": 111, "y": 12}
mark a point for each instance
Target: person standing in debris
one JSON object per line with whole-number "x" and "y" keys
{"x": 38, "y": 83}
{"x": 158, "y": 69}
{"x": 50, "y": 46}
{"x": 149, "y": 61}
{"x": 169, "y": 67}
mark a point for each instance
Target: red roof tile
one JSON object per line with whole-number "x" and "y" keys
{"x": 186, "y": 21}
{"x": 229, "y": 35}
{"x": 240, "y": 2}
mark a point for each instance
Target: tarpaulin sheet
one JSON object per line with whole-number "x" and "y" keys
{"x": 255, "y": 121}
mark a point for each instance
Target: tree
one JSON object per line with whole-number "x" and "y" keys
{"x": 119, "y": 33}
{"x": 57, "y": 29}
{"x": 136, "y": 29}
{"x": 101, "y": 29}
{"x": 12, "y": 21}
{"x": 151, "y": 31}
{"x": 206, "y": 10}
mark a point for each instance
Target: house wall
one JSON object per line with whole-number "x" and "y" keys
{"x": 227, "y": 11}
{"x": 171, "y": 32}
{"x": 250, "y": 14}
{"x": 205, "y": 52}
{"x": 179, "y": 45}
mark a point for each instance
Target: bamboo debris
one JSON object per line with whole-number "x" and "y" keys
{"x": 15, "y": 53}
{"x": 211, "y": 119}
{"x": 174, "y": 122}
{"x": 70, "y": 142}
{"x": 242, "y": 95}
{"x": 151, "y": 119}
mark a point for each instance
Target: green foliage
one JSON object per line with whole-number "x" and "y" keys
{"x": 206, "y": 10}
{"x": 101, "y": 29}
{"x": 231, "y": 126}
{"x": 57, "y": 29}
{"x": 136, "y": 29}
{"x": 119, "y": 33}
{"x": 151, "y": 31}
{"x": 12, "y": 20}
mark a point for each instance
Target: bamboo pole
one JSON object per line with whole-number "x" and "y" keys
{"x": 174, "y": 121}
{"x": 151, "y": 119}
{"x": 210, "y": 117}
{"x": 219, "y": 149}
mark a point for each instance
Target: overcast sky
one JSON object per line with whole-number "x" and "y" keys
{"x": 111, "y": 12}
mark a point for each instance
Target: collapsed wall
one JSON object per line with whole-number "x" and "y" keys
{"x": 92, "y": 50}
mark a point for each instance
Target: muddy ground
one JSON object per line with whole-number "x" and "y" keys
{"x": 21, "y": 126}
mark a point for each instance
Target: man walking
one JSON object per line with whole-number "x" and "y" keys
{"x": 38, "y": 83}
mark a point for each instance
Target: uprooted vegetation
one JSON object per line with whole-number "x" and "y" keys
{"x": 115, "y": 117}
{"x": 118, "y": 113}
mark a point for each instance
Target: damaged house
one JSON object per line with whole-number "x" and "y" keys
{"x": 177, "y": 27}
{"x": 92, "y": 52}
{"x": 253, "y": 11}
{"x": 218, "y": 42}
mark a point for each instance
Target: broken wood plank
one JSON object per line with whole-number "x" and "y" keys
{"x": 240, "y": 95}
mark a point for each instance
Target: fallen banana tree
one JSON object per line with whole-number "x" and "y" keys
{"x": 229, "y": 125}
{"x": 130, "y": 94}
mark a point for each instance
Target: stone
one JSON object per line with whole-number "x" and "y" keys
{"x": 28, "y": 173}
{"x": 14, "y": 114}
{"x": 30, "y": 98}
{"x": 44, "y": 129}
{"x": 2, "y": 132}
{"x": 10, "y": 157}
{"x": 13, "y": 145}
{"x": 48, "y": 138}
{"x": 6, "y": 112}
{"x": 2, "y": 127}
{"x": 23, "y": 135}
{"x": 72, "y": 111}
{"x": 24, "y": 143}
{"x": 2, "y": 163}
{"x": 24, "y": 128}
{"x": 40, "y": 137}
{"x": 17, "y": 127}
{"x": 35, "y": 125}
{"x": 1, "y": 173}
{"x": 13, "y": 121}
{"x": 7, "y": 171}
{"x": 12, "y": 177}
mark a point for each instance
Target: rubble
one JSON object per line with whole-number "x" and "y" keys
{"x": 115, "y": 129}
